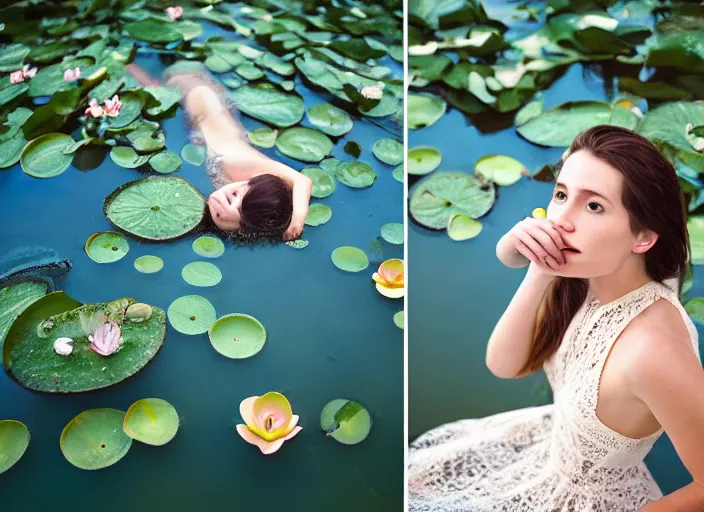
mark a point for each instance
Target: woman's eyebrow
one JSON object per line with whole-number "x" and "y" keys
{"x": 584, "y": 191}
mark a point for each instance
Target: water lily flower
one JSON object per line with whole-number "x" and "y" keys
{"x": 106, "y": 339}
{"x": 372, "y": 92}
{"x": 63, "y": 346}
{"x": 390, "y": 279}
{"x": 94, "y": 109}
{"x": 26, "y": 72}
{"x": 269, "y": 421}
{"x": 16, "y": 77}
{"x": 174, "y": 12}
{"x": 71, "y": 75}
{"x": 112, "y": 107}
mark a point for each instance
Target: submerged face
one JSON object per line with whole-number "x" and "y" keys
{"x": 225, "y": 205}
{"x": 587, "y": 211}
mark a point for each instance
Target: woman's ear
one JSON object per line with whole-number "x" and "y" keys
{"x": 645, "y": 240}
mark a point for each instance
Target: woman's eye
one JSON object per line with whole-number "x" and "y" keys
{"x": 598, "y": 207}
{"x": 557, "y": 194}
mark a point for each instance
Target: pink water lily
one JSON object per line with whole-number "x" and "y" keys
{"x": 390, "y": 278}
{"x": 174, "y": 12}
{"x": 112, "y": 107}
{"x": 94, "y": 109}
{"x": 269, "y": 421}
{"x": 71, "y": 75}
{"x": 106, "y": 339}
{"x": 18, "y": 76}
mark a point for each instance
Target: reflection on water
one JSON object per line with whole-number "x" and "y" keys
{"x": 330, "y": 335}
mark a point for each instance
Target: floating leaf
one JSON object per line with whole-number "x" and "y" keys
{"x": 11, "y": 92}
{"x": 50, "y": 79}
{"x": 12, "y": 56}
{"x": 152, "y": 421}
{"x": 350, "y": 259}
{"x": 462, "y": 227}
{"x": 237, "y": 336}
{"x": 695, "y": 227}
{"x": 330, "y": 119}
{"x": 398, "y": 173}
{"x": 502, "y": 170}
{"x": 14, "y": 440}
{"x": 433, "y": 200}
{"x": 44, "y": 156}
{"x": 106, "y": 247}
{"x": 31, "y": 360}
{"x": 392, "y": 232}
{"x": 424, "y": 110}
{"x": 132, "y": 104}
{"x": 191, "y": 314}
{"x": 208, "y": 247}
{"x": 126, "y": 157}
{"x": 166, "y": 96}
{"x": 353, "y": 148}
{"x": 269, "y": 104}
{"x": 152, "y": 30}
{"x": 304, "y": 144}
{"x": 298, "y": 244}
{"x": 355, "y": 174}
{"x": 156, "y": 208}
{"x": 94, "y": 439}
{"x": 165, "y": 162}
{"x": 345, "y": 421}
{"x": 193, "y": 154}
{"x": 323, "y": 183}
{"x": 13, "y": 300}
{"x": 149, "y": 264}
{"x": 667, "y": 124}
{"x": 389, "y": 151}
{"x": 423, "y": 160}
{"x": 201, "y": 273}
{"x": 318, "y": 214}
{"x": 399, "y": 319}
{"x": 263, "y": 137}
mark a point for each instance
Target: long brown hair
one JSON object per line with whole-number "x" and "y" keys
{"x": 652, "y": 196}
{"x": 267, "y": 207}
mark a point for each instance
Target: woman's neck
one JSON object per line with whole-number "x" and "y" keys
{"x": 630, "y": 276}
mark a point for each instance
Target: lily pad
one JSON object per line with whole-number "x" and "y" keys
{"x": 132, "y": 104}
{"x": 156, "y": 208}
{"x": 398, "y": 174}
{"x": 389, "y": 151}
{"x": 462, "y": 227}
{"x": 298, "y": 244}
{"x": 29, "y": 357}
{"x": 502, "y": 170}
{"x": 323, "y": 183}
{"x": 269, "y": 104}
{"x": 350, "y": 259}
{"x": 152, "y": 421}
{"x": 667, "y": 123}
{"x": 392, "y": 232}
{"x": 128, "y": 158}
{"x": 318, "y": 214}
{"x": 14, "y": 440}
{"x": 355, "y": 174}
{"x": 237, "y": 336}
{"x": 149, "y": 264}
{"x": 201, "y": 273}
{"x": 424, "y": 110}
{"x": 13, "y": 300}
{"x": 559, "y": 126}
{"x": 347, "y": 422}
{"x": 106, "y": 247}
{"x": 193, "y": 154}
{"x": 50, "y": 79}
{"x": 423, "y": 160}
{"x": 165, "y": 162}
{"x": 153, "y": 31}
{"x": 330, "y": 119}
{"x": 44, "y": 156}
{"x": 208, "y": 247}
{"x": 263, "y": 137}
{"x": 94, "y": 439}
{"x": 433, "y": 200}
{"x": 191, "y": 314}
{"x": 399, "y": 319}
{"x": 695, "y": 227}
{"x": 304, "y": 144}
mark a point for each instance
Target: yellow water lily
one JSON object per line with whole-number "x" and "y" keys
{"x": 269, "y": 421}
{"x": 389, "y": 279}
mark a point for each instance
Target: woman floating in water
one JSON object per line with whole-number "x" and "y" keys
{"x": 255, "y": 197}
{"x": 599, "y": 311}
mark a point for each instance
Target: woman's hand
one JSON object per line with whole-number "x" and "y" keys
{"x": 295, "y": 229}
{"x": 535, "y": 240}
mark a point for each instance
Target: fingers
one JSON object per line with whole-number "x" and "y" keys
{"x": 547, "y": 242}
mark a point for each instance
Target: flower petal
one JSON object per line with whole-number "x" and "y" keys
{"x": 391, "y": 293}
{"x": 246, "y": 410}
{"x": 272, "y": 414}
{"x": 295, "y": 431}
{"x": 266, "y": 447}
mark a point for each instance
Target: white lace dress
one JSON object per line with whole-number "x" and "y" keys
{"x": 552, "y": 458}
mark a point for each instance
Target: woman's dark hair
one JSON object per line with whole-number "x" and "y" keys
{"x": 652, "y": 196}
{"x": 266, "y": 207}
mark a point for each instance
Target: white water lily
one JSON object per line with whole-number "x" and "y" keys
{"x": 696, "y": 142}
{"x": 63, "y": 346}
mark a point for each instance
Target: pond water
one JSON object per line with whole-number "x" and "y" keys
{"x": 330, "y": 335}
{"x": 459, "y": 290}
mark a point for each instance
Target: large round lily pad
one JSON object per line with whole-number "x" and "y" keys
{"x": 304, "y": 144}
{"x": 355, "y": 174}
{"x": 152, "y": 421}
{"x": 237, "y": 335}
{"x": 94, "y": 439}
{"x": 347, "y": 422}
{"x": 667, "y": 123}
{"x": 389, "y": 151}
{"x": 201, "y": 273}
{"x": 502, "y": 170}
{"x": 193, "y": 154}
{"x": 434, "y": 199}
{"x": 269, "y": 104}
{"x": 14, "y": 440}
{"x": 156, "y": 208}
{"x": 323, "y": 183}
{"x": 424, "y": 110}
{"x": 392, "y": 232}
{"x": 14, "y": 299}
{"x": 350, "y": 259}
{"x": 191, "y": 314}
{"x": 29, "y": 357}
{"x": 318, "y": 214}
{"x": 330, "y": 119}
{"x": 208, "y": 247}
{"x": 149, "y": 264}
{"x": 423, "y": 160}
{"x": 106, "y": 247}
{"x": 44, "y": 157}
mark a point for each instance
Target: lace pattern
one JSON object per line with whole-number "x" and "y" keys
{"x": 559, "y": 457}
